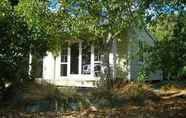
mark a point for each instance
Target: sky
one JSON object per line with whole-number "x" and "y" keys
{"x": 152, "y": 12}
{"x": 54, "y": 5}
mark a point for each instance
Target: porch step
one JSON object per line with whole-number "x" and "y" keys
{"x": 74, "y": 83}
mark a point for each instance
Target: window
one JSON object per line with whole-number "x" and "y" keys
{"x": 64, "y": 60}
{"x": 64, "y": 55}
{"x": 98, "y": 53}
{"x": 63, "y": 69}
{"x": 74, "y": 61}
{"x": 86, "y": 53}
{"x": 97, "y": 60}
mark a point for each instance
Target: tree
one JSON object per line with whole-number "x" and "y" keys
{"x": 39, "y": 28}
{"x": 14, "y": 46}
{"x": 168, "y": 54}
{"x": 17, "y": 39}
{"x": 101, "y": 21}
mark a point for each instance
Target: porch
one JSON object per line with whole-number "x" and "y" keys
{"x": 78, "y": 64}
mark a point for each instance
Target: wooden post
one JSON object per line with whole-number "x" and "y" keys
{"x": 68, "y": 61}
{"x": 54, "y": 68}
{"x": 80, "y": 57}
{"x": 129, "y": 63}
{"x": 92, "y": 60}
{"x": 114, "y": 51}
{"x": 30, "y": 64}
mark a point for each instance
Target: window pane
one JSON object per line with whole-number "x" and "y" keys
{"x": 86, "y": 53}
{"x": 98, "y": 59}
{"x": 63, "y": 69}
{"x": 97, "y": 53}
{"x": 97, "y": 69}
{"x": 74, "y": 58}
{"x": 64, "y": 55}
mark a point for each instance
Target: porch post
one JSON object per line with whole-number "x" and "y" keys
{"x": 80, "y": 57}
{"x": 114, "y": 51}
{"x": 54, "y": 73}
{"x": 129, "y": 62}
{"x": 30, "y": 64}
{"x": 68, "y": 61}
{"x": 92, "y": 60}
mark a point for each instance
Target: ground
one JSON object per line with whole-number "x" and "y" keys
{"x": 145, "y": 101}
{"x": 125, "y": 100}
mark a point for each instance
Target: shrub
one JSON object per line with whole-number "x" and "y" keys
{"x": 182, "y": 73}
{"x": 142, "y": 76}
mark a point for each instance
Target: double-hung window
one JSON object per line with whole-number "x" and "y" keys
{"x": 64, "y": 62}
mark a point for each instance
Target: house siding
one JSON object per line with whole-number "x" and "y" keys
{"x": 142, "y": 35}
{"x": 48, "y": 66}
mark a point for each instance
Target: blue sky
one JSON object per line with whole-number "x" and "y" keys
{"x": 54, "y": 5}
{"x": 153, "y": 11}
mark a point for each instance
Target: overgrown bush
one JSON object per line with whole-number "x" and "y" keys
{"x": 17, "y": 41}
{"x": 70, "y": 99}
{"x": 136, "y": 92}
{"x": 182, "y": 73}
{"x": 103, "y": 97}
{"x": 168, "y": 53}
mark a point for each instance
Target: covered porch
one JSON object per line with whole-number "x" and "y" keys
{"x": 78, "y": 64}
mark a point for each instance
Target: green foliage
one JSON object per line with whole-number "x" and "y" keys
{"x": 103, "y": 97}
{"x": 17, "y": 41}
{"x": 30, "y": 26}
{"x": 136, "y": 93}
{"x": 142, "y": 76}
{"x": 70, "y": 99}
{"x": 14, "y": 47}
{"x": 182, "y": 73}
{"x": 14, "y": 2}
{"x": 168, "y": 54}
{"x": 85, "y": 21}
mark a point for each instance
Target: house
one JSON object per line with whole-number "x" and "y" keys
{"x": 82, "y": 63}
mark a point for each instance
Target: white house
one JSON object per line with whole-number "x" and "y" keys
{"x": 81, "y": 63}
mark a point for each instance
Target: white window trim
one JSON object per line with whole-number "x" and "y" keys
{"x": 80, "y": 58}
{"x": 92, "y": 60}
{"x": 79, "y": 75}
{"x": 68, "y": 61}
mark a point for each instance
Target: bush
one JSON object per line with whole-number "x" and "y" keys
{"x": 70, "y": 99}
{"x": 182, "y": 73}
{"x": 142, "y": 76}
